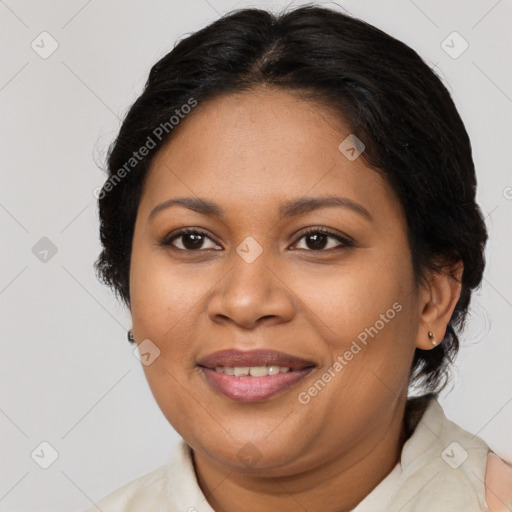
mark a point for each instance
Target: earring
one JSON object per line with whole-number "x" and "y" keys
{"x": 432, "y": 338}
{"x": 131, "y": 339}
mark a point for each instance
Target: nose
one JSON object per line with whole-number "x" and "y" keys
{"x": 251, "y": 294}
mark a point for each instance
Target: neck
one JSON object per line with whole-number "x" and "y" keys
{"x": 337, "y": 485}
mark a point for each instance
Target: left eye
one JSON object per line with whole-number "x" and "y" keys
{"x": 317, "y": 240}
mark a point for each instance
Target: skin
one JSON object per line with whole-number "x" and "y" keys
{"x": 249, "y": 153}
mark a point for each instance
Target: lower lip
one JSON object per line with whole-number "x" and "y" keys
{"x": 253, "y": 389}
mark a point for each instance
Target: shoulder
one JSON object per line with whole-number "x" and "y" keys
{"x": 148, "y": 489}
{"x": 498, "y": 483}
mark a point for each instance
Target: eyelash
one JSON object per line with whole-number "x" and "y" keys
{"x": 345, "y": 241}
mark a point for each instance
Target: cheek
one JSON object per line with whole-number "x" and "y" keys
{"x": 365, "y": 313}
{"x": 344, "y": 300}
{"x": 162, "y": 294}
{"x": 174, "y": 395}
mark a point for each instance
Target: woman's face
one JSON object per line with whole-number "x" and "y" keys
{"x": 252, "y": 279}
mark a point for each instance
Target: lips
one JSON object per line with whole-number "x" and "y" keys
{"x": 231, "y": 373}
{"x": 232, "y": 358}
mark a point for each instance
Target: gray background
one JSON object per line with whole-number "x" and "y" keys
{"x": 68, "y": 375}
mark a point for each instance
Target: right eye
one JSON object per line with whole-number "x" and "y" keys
{"x": 192, "y": 239}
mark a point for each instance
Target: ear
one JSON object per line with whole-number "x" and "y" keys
{"x": 438, "y": 298}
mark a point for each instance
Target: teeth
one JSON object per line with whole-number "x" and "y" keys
{"x": 253, "y": 371}
{"x": 238, "y": 371}
{"x": 260, "y": 371}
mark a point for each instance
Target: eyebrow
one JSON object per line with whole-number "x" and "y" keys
{"x": 286, "y": 210}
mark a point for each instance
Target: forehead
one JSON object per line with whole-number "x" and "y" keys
{"x": 260, "y": 147}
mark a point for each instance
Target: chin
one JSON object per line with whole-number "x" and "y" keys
{"x": 246, "y": 453}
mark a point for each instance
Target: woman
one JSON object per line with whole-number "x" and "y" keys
{"x": 290, "y": 217}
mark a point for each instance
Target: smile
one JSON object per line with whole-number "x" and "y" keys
{"x": 252, "y": 371}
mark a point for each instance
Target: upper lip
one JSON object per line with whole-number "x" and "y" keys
{"x": 232, "y": 357}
